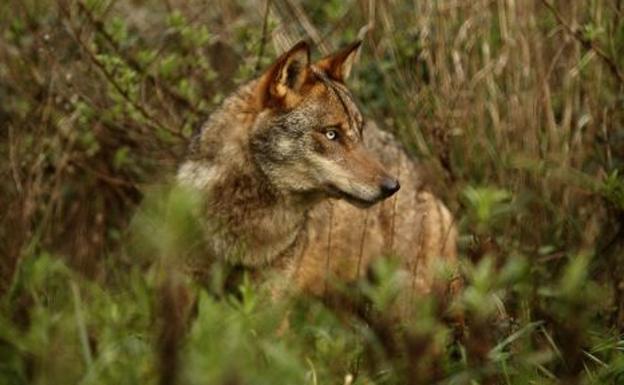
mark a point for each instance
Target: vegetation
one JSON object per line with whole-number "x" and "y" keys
{"x": 515, "y": 107}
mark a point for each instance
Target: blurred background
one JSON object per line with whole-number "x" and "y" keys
{"x": 516, "y": 107}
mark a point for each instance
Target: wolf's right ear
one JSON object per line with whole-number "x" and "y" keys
{"x": 283, "y": 80}
{"x": 338, "y": 65}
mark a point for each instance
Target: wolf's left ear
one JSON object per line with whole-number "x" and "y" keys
{"x": 286, "y": 76}
{"x": 338, "y": 65}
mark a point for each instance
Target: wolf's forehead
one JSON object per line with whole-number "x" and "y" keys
{"x": 348, "y": 103}
{"x": 337, "y": 103}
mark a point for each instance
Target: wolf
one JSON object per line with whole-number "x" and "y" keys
{"x": 294, "y": 181}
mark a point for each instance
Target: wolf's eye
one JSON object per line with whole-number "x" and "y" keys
{"x": 331, "y": 134}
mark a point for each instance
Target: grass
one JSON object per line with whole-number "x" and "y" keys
{"x": 516, "y": 110}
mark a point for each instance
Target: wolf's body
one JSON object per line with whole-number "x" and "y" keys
{"x": 282, "y": 165}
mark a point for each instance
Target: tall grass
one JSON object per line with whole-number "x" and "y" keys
{"x": 514, "y": 108}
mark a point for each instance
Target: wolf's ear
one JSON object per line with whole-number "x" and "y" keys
{"x": 286, "y": 76}
{"x": 338, "y": 65}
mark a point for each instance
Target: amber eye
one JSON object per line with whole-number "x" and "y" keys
{"x": 331, "y": 134}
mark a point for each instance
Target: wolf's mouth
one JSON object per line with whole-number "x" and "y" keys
{"x": 335, "y": 192}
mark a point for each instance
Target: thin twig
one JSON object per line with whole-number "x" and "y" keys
{"x": 329, "y": 244}
{"x": 265, "y": 25}
{"x": 362, "y": 240}
{"x": 587, "y": 43}
{"x": 103, "y": 176}
{"x": 81, "y": 326}
{"x": 307, "y": 25}
{"x": 13, "y": 161}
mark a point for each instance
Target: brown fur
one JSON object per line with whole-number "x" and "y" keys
{"x": 281, "y": 190}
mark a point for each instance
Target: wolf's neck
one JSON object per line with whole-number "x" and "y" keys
{"x": 253, "y": 223}
{"x": 249, "y": 221}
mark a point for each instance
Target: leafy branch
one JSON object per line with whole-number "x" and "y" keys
{"x": 587, "y": 43}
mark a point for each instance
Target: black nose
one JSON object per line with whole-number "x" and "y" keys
{"x": 389, "y": 186}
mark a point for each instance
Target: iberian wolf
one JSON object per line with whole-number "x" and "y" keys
{"x": 295, "y": 181}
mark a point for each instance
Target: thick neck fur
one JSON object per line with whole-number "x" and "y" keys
{"x": 250, "y": 221}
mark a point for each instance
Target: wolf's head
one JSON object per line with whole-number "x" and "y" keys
{"x": 308, "y": 136}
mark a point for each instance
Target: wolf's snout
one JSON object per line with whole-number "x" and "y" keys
{"x": 389, "y": 186}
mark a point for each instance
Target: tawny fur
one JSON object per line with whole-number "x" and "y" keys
{"x": 264, "y": 174}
